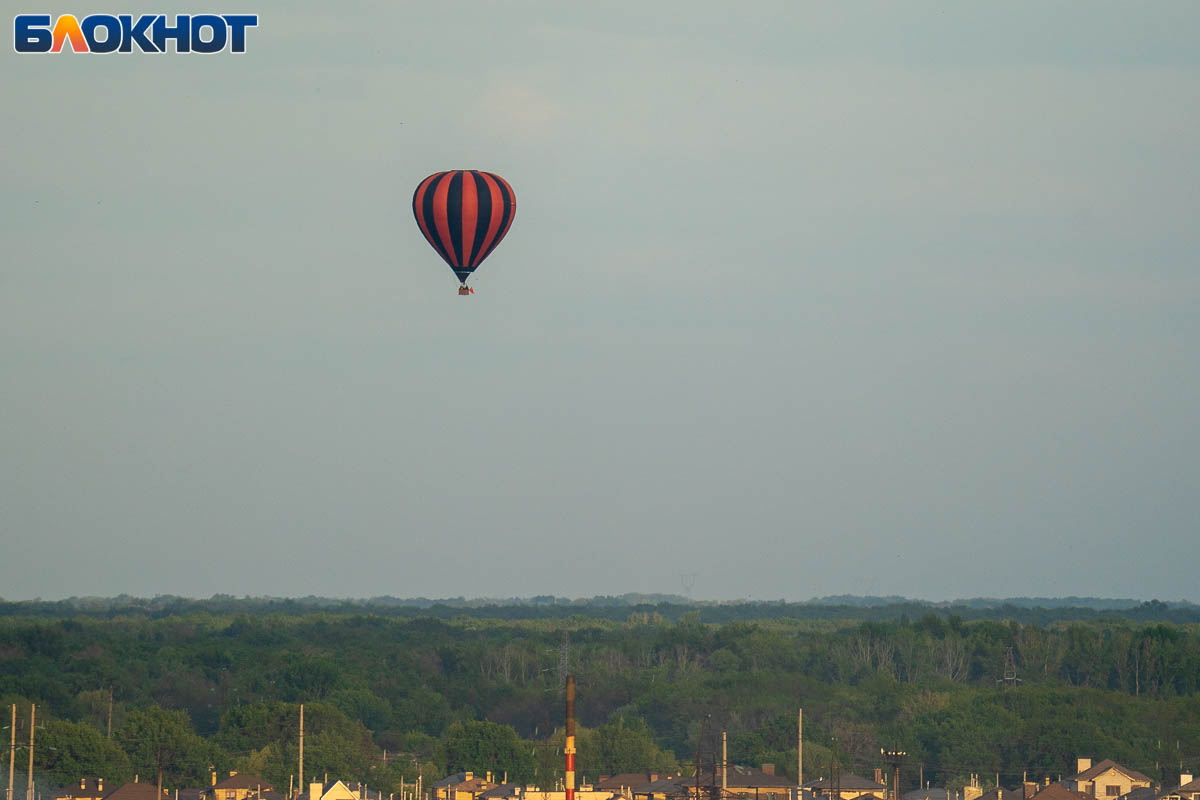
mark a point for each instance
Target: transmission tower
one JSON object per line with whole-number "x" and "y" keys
{"x": 1010, "y": 678}
{"x": 564, "y": 659}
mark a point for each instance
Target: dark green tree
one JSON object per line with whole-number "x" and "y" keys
{"x": 621, "y": 745}
{"x": 485, "y": 746}
{"x": 68, "y": 751}
{"x": 162, "y": 744}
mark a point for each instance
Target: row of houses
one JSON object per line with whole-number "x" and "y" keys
{"x": 742, "y": 782}
{"x": 234, "y": 787}
{"x": 1105, "y": 780}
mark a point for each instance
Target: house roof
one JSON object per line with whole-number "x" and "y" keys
{"x": 627, "y": 779}
{"x": 136, "y": 791}
{"x": 1188, "y": 789}
{"x": 1104, "y": 766}
{"x": 361, "y": 789}
{"x": 1056, "y": 791}
{"x": 240, "y": 781}
{"x": 997, "y": 793}
{"x": 510, "y": 789}
{"x": 459, "y": 781}
{"x": 672, "y": 784}
{"x": 933, "y": 793}
{"x": 329, "y": 786}
{"x": 848, "y": 781}
{"x": 87, "y": 787}
{"x": 748, "y": 777}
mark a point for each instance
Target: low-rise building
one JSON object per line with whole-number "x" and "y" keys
{"x": 931, "y": 793}
{"x": 239, "y": 787}
{"x": 997, "y": 793}
{"x": 364, "y": 792}
{"x": 747, "y": 783}
{"x": 137, "y": 791}
{"x": 86, "y": 789}
{"x": 1188, "y": 789}
{"x": 331, "y": 790}
{"x": 666, "y": 787}
{"x": 582, "y": 793}
{"x": 624, "y": 783}
{"x": 849, "y": 786}
{"x": 1059, "y": 791}
{"x": 1107, "y": 780}
{"x": 462, "y": 786}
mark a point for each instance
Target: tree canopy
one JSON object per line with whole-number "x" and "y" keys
{"x": 388, "y": 698}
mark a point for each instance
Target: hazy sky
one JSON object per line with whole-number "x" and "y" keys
{"x": 803, "y": 298}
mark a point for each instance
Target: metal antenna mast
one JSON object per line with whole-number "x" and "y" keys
{"x": 894, "y": 758}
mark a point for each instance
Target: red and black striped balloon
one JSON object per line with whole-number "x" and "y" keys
{"x": 464, "y": 214}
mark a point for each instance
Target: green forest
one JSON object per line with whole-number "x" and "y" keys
{"x": 394, "y": 694}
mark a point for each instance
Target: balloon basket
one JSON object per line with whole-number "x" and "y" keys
{"x": 463, "y": 291}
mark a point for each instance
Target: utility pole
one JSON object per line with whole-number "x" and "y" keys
{"x": 110, "y": 706}
{"x": 302, "y": 788}
{"x": 32, "y": 717}
{"x": 12, "y": 751}
{"x": 724, "y": 767}
{"x": 894, "y": 759}
{"x": 799, "y": 754}
{"x": 835, "y": 772}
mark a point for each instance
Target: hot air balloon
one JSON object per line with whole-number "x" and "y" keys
{"x": 464, "y": 214}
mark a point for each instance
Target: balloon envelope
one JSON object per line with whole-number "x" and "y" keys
{"x": 464, "y": 214}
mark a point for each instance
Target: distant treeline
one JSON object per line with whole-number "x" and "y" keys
{"x": 1028, "y": 611}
